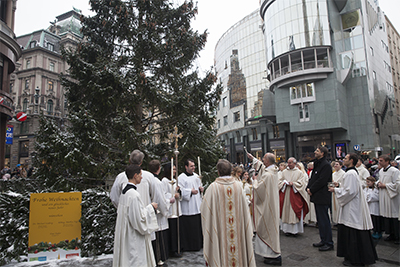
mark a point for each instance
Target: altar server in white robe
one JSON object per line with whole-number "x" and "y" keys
{"x": 135, "y": 222}
{"x": 389, "y": 198}
{"x": 160, "y": 245}
{"x": 190, "y": 184}
{"x": 354, "y": 240}
{"x": 337, "y": 177}
{"x": 173, "y": 191}
{"x": 148, "y": 188}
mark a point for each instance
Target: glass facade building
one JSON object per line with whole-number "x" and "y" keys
{"x": 329, "y": 66}
{"x": 241, "y": 68}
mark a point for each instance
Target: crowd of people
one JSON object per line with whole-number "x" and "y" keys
{"x": 162, "y": 217}
{"x": 20, "y": 171}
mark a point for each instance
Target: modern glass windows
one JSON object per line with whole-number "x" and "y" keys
{"x": 294, "y": 24}
{"x": 302, "y": 93}
{"x": 304, "y": 115}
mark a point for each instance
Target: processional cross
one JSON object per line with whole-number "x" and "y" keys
{"x": 175, "y": 136}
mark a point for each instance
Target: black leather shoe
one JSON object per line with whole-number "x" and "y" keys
{"x": 273, "y": 261}
{"x": 325, "y": 248}
{"x": 317, "y": 245}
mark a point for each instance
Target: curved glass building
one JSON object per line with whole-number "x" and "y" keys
{"x": 329, "y": 66}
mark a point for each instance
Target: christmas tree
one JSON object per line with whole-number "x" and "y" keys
{"x": 129, "y": 83}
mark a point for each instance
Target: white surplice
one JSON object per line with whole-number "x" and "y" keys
{"x": 135, "y": 222}
{"x": 363, "y": 174}
{"x": 389, "y": 197}
{"x": 337, "y": 177}
{"x": 190, "y": 203}
{"x": 170, "y": 189}
{"x": 353, "y": 211}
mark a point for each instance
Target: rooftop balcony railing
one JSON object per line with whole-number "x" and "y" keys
{"x": 305, "y": 62}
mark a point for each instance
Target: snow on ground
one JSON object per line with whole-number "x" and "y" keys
{"x": 100, "y": 261}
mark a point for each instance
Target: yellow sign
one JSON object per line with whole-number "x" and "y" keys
{"x": 54, "y": 217}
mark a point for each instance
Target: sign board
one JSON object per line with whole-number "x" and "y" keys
{"x": 9, "y": 134}
{"x": 54, "y": 227}
{"x": 356, "y": 147}
{"x": 21, "y": 116}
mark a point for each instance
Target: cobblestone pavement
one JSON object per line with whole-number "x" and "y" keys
{"x": 296, "y": 251}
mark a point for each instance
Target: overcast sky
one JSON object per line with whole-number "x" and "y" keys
{"x": 215, "y": 16}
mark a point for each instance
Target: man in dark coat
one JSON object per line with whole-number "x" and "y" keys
{"x": 318, "y": 190}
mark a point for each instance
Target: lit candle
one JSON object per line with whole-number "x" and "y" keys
{"x": 198, "y": 160}
{"x": 172, "y": 168}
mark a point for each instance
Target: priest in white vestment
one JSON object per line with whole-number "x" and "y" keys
{"x": 135, "y": 222}
{"x": 266, "y": 209}
{"x": 292, "y": 198}
{"x": 226, "y": 222}
{"x": 337, "y": 177}
{"x": 389, "y": 198}
{"x": 354, "y": 240}
{"x": 191, "y": 187}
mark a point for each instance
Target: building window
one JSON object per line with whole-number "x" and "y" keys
{"x": 32, "y": 44}
{"x": 11, "y": 87}
{"x": 219, "y": 124}
{"x": 27, "y": 82}
{"x": 50, "y": 46}
{"x": 374, "y": 75}
{"x": 304, "y": 115}
{"x": 50, "y": 107}
{"x": 28, "y": 63}
{"x": 224, "y": 102}
{"x": 238, "y": 137}
{"x": 51, "y": 66}
{"x": 24, "y": 147}
{"x": 25, "y": 105}
{"x": 24, "y": 128}
{"x": 254, "y": 132}
{"x": 236, "y": 116}
{"x": 50, "y": 85}
{"x": 225, "y": 120}
{"x": 372, "y": 51}
{"x": 302, "y": 93}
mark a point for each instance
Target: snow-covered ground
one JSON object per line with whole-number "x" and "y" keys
{"x": 100, "y": 261}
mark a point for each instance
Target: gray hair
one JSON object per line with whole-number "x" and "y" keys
{"x": 270, "y": 157}
{"x": 136, "y": 157}
{"x": 294, "y": 160}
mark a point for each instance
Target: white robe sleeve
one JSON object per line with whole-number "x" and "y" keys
{"x": 348, "y": 190}
{"x": 143, "y": 219}
{"x": 186, "y": 192}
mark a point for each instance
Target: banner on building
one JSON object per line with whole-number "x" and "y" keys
{"x": 9, "y": 134}
{"x": 54, "y": 226}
